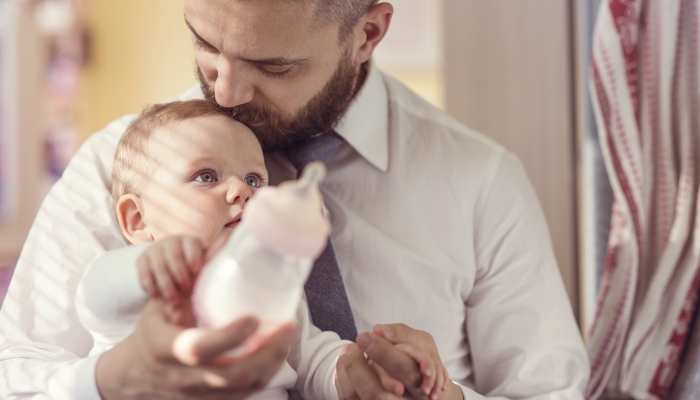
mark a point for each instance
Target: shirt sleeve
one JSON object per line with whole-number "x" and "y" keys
{"x": 109, "y": 299}
{"x": 314, "y": 357}
{"x": 468, "y": 394}
{"x": 524, "y": 341}
{"x": 43, "y": 346}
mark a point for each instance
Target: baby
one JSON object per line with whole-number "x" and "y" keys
{"x": 182, "y": 175}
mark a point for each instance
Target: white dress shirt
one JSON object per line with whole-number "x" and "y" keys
{"x": 434, "y": 226}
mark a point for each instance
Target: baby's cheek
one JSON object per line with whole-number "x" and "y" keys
{"x": 205, "y": 220}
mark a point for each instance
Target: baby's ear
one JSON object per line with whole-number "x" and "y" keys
{"x": 130, "y": 215}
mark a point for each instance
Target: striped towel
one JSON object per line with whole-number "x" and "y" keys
{"x": 645, "y": 85}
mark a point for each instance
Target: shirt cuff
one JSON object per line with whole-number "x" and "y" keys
{"x": 79, "y": 380}
{"x": 468, "y": 394}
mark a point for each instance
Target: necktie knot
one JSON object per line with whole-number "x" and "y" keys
{"x": 319, "y": 148}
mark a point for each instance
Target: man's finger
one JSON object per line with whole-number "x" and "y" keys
{"x": 254, "y": 369}
{"x": 394, "y": 361}
{"x": 198, "y": 346}
{"x": 396, "y": 333}
{"x": 362, "y": 377}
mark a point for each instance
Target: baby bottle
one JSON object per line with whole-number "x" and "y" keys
{"x": 263, "y": 266}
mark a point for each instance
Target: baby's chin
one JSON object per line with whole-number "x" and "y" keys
{"x": 226, "y": 231}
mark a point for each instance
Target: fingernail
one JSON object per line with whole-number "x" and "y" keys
{"x": 434, "y": 396}
{"x": 388, "y": 332}
{"x": 365, "y": 341}
{"x": 349, "y": 349}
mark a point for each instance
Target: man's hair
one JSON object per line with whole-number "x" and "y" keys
{"x": 133, "y": 164}
{"x": 343, "y": 12}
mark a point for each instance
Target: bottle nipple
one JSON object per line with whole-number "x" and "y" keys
{"x": 289, "y": 217}
{"x": 307, "y": 186}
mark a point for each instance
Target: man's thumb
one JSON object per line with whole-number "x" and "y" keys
{"x": 394, "y": 333}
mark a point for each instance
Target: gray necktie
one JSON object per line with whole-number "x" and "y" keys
{"x": 325, "y": 292}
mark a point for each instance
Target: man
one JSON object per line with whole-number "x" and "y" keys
{"x": 436, "y": 230}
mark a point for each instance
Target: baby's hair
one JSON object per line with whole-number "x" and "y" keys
{"x": 133, "y": 165}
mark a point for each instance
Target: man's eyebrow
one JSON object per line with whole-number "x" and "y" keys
{"x": 194, "y": 32}
{"x": 277, "y": 61}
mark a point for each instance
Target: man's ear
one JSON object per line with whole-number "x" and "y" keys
{"x": 371, "y": 29}
{"x": 130, "y": 215}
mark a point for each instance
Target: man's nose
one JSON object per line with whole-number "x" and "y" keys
{"x": 232, "y": 87}
{"x": 238, "y": 192}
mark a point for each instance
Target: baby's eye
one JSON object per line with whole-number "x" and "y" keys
{"x": 206, "y": 177}
{"x": 253, "y": 180}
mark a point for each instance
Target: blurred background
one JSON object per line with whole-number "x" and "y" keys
{"x": 513, "y": 70}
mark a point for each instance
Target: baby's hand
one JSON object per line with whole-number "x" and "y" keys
{"x": 434, "y": 378}
{"x": 435, "y": 375}
{"x": 168, "y": 269}
{"x": 434, "y": 382}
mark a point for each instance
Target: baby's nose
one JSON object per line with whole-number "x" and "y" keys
{"x": 238, "y": 192}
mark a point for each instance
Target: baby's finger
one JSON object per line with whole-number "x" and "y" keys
{"x": 194, "y": 254}
{"x": 175, "y": 260}
{"x": 439, "y": 383}
{"x": 388, "y": 382}
{"x": 148, "y": 283}
{"x": 164, "y": 281}
{"x": 426, "y": 365}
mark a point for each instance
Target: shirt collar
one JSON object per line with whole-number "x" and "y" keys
{"x": 365, "y": 126}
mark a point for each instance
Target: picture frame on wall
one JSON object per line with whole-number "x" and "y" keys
{"x": 8, "y": 110}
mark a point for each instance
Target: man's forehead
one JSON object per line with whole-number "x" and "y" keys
{"x": 254, "y": 19}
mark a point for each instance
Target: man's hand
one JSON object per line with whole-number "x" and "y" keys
{"x": 161, "y": 360}
{"x": 400, "y": 361}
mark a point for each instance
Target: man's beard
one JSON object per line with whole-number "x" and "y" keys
{"x": 318, "y": 116}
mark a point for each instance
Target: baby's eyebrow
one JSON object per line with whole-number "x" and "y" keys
{"x": 199, "y": 161}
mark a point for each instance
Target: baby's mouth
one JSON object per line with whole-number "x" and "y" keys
{"x": 234, "y": 222}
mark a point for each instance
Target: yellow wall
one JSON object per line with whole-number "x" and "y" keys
{"x": 141, "y": 54}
